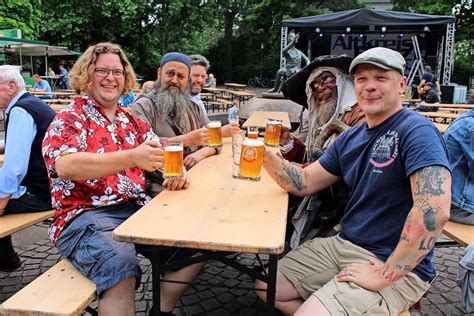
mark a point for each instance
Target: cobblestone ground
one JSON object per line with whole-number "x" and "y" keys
{"x": 442, "y": 299}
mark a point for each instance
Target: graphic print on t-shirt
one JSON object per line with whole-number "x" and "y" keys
{"x": 385, "y": 150}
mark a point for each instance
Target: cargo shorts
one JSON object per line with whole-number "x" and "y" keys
{"x": 87, "y": 242}
{"x": 312, "y": 268}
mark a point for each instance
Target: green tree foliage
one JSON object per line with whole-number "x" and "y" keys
{"x": 463, "y": 12}
{"x": 20, "y": 14}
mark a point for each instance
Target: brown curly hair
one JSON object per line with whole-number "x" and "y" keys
{"x": 80, "y": 76}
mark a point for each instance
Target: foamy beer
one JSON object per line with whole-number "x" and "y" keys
{"x": 215, "y": 134}
{"x": 251, "y": 158}
{"x": 252, "y": 132}
{"x": 272, "y": 133}
{"x": 173, "y": 166}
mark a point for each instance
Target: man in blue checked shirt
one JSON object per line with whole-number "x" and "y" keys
{"x": 24, "y": 184}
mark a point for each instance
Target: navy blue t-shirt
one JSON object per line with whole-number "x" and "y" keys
{"x": 376, "y": 164}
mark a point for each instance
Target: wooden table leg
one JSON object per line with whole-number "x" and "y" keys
{"x": 271, "y": 285}
{"x": 156, "y": 279}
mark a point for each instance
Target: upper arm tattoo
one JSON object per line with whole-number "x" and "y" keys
{"x": 430, "y": 180}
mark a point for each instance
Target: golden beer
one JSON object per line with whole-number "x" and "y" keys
{"x": 215, "y": 134}
{"x": 173, "y": 166}
{"x": 252, "y": 132}
{"x": 272, "y": 133}
{"x": 252, "y": 135}
{"x": 251, "y": 158}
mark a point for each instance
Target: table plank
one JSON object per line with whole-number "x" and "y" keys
{"x": 216, "y": 212}
{"x": 12, "y": 223}
{"x": 461, "y": 233}
{"x": 447, "y": 105}
{"x": 2, "y": 158}
{"x": 259, "y": 118}
{"x": 235, "y": 85}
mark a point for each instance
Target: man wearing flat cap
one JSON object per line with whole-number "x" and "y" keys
{"x": 396, "y": 167}
{"x": 332, "y": 108}
{"x": 171, "y": 112}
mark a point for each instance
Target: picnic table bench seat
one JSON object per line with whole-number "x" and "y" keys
{"x": 62, "y": 290}
{"x": 461, "y": 233}
{"x": 12, "y": 223}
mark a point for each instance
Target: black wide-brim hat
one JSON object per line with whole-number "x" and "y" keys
{"x": 294, "y": 87}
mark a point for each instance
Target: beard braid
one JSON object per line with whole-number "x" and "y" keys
{"x": 171, "y": 101}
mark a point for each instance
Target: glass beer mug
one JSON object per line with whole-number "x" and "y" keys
{"x": 215, "y": 134}
{"x": 173, "y": 164}
{"x": 251, "y": 158}
{"x": 252, "y": 132}
{"x": 272, "y": 133}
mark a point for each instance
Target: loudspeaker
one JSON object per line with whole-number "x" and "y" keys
{"x": 447, "y": 93}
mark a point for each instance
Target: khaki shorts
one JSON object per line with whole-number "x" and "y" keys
{"x": 312, "y": 268}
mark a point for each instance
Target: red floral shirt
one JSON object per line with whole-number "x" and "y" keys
{"x": 84, "y": 127}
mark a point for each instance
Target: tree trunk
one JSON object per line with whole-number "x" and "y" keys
{"x": 227, "y": 51}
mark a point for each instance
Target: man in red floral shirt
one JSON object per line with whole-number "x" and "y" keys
{"x": 96, "y": 155}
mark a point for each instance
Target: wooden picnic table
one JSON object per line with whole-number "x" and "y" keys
{"x": 231, "y": 215}
{"x": 410, "y": 101}
{"x": 259, "y": 118}
{"x": 447, "y": 105}
{"x": 235, "y": 86}
{"x": 440, "y": 117}
{"x": 214, "y": 90}
{"x": 63, "y": 94}
{"x": 455, "y": 110}
{"x": 58, "y": 101}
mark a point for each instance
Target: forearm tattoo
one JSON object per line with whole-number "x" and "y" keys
{"x": 423, "y": 224}
{"x": 291, "y": 176}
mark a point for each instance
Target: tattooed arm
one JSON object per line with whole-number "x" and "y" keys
{"x": 294, "y": 179}
{"x": 431, "y": 191}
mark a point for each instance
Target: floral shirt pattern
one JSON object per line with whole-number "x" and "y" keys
{"x": 84, "y": 127}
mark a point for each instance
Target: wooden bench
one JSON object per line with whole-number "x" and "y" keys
{"x": 227, "y": 104}
{"x": 11, "y": 223}
{"x": 62, "y": 290}
{"x": 461, "y": 233}
{"x": 455, "y": 110}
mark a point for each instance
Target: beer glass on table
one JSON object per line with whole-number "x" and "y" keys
{"x": 173, "y": 164}
{"x": 215, "y": 134}
{"x": 272, "y": 133}
{"x": 252, "y": 132}
{"x": 251, "y": 158}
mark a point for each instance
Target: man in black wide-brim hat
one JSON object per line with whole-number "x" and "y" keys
{"x": 326, "y": 89}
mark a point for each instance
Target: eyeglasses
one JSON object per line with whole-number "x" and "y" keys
{"x": 104, "y": 72}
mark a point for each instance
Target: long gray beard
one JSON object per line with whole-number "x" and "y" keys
{"x": 323, "y": 113}
{"x": 325, "y": 109}
{"x": 171, "y": 101}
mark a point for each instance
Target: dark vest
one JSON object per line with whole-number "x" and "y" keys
{"x": 36, "y": 180}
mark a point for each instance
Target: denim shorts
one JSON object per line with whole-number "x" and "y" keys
{"x": 87, "y": 242}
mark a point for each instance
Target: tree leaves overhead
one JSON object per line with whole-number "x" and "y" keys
{"x": 229, "y": 32}
{"x": 20, "y": 14}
